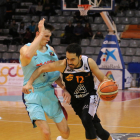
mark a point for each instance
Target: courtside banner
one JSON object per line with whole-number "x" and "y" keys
{"x": 110, "y": 59}
{"x": 11, "y": 74}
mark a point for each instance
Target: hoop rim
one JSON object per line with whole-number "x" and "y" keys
{"x": 86, "y": 6}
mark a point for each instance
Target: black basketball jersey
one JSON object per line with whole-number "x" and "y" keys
{"x": 79, "y": 81}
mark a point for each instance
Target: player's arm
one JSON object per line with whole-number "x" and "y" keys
{"x": 55, "y": 66}
{"x": 96, "y": 71}
{"x": 66, "y": 95}
{"x": 26, "y": 53}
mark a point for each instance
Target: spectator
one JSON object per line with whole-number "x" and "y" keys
{"x": 78, "y": 32}
{"x": 39, "y": 8}
{"x": 32, "y": 27}
{"x": 124, "y": 5}
{"x": 69, "y": 32}
{"x": 48, "y": 8}
{"x": 132, "y": 4}
{"x": 78, "y": 18}
{"x": 21, "y": 30}
{"x": 13, "y": 29}
{"x": 27, "y": 37}
{"x": 87, "y": 31}
{"x": 9, "y": 11}
{"x": 98, "y": 35}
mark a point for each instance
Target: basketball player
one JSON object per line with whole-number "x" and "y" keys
{"x": 78, "y": 71}
{"x": 32, "y": 56}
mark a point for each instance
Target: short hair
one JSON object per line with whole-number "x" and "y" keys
{"x": 74, "y": 48}
{"x": 47, "y": 26}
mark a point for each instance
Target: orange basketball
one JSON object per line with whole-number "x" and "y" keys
{"x": 107, "y": 90}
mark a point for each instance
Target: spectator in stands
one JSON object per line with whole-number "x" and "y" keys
{"x": 124, "y": 5}
{"x": 78, "y": 32}
{"x": 48, "y": 8}
{"x": 78, "y": 18}
{"x": 9, "y": 11}
{"x": 13, "y": 29}
{"x": 88, "y": 31}
{"x": 32, "y": 27}
{"x": 69, "y": 32}
{"x": 132, "y": 4}
{"x": 21, "y": 30}
{"x": 98, "y": 35}
{"x": 27, "y": 37}
{"x": 39, "y": 8}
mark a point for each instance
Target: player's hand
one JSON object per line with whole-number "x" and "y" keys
{"x": 26, "y": 88}
{"x": 66, "y": 96}
{"x": 41, "y": 26}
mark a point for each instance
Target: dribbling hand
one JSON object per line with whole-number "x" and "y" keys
{"x": 26, "y": 88}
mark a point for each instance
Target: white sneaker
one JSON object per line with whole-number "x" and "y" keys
{"x": 58, "y": 138}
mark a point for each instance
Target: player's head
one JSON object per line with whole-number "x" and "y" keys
{"x": 73, "y": 55}
{"x": 48, "y": 32}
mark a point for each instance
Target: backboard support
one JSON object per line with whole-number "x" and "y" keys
{"x": 97, "y": 5}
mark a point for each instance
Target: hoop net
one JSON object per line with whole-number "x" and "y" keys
{"x": 84, "y": 9}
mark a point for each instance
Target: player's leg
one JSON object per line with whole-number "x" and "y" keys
{"x": 64, "y": 129}
{"x": 100, "y": 131}
{"x": 44, "y": 128}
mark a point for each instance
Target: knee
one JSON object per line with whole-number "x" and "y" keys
{"x": 46, "y": 133}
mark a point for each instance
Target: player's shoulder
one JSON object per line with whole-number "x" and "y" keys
{"x": 23, "y": 48}
{"x": 51, "y": 48}
{"x": 91, "y": 61}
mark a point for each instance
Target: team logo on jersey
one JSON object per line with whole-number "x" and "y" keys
{"x": 109, "y": 75}
{"x": 35, "y": 54}
{"x": 69, "y": 77}
{"x": 80, "y": 89}
{"x": 52, "y": 53}
{"x": 88, "y": 75}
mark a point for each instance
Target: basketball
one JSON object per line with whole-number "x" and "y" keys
{"x": 107, "y": 90}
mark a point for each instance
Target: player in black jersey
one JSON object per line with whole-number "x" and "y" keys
{"x": 78, "y": 71}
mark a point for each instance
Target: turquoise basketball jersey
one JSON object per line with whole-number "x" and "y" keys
{"x": 38, "y": 60}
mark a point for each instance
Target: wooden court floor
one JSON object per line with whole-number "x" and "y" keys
{"x": 119, "y": 116}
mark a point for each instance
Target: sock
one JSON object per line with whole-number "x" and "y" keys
{"x": 60, "y": 138}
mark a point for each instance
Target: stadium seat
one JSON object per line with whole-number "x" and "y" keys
{"x": 102, "y": 27}
{"x": 130, "y": 51}
{"x": 19, "y": 47}
{"x": 59, "y": 12}
{"x": 135, "y": 59}
{"x": 60, "y": 49}
{"x": 138, "y": 51}
{"x": 94, "y": 27}
{"x": 85, "y": 42}
{"x": 122, "y": 51}
{"x": 57, "y": 26}
{"x": 56, "y": 41}
{"x": 127, "y": 59}
{"x": 98, "y": 20}
{"x": 26, "y": 19}
{"x": 63, "y": 25}
{"x": 3, "y": 48}
{"x": 6, "y": 57}
{"x": 95, "y": 42}
{"x": 120, "y": 27}
{"x": 35, "y": 19}
{"x": 62, "y": 19}
{"x": 126, "y": 20}
{"x": 66, "y": 13}
{"x": 12, "y": 48}
{"x": 137, "y": 13}
{"x": 69, "y": 18}
{"x": 124, "y": 43}
{"x": 129, "y": 13}
{"x": 101, "y": 42}
{"x": 97, "y": 50}
{"x": 5, "y": 31}
{"x": 15, "y": 56}
{"x": 135, "y": 20}
{"x": 120, "y": 14}
{"x": 94, "y": 57}
{"x": 89, "y": 50}
{"x": 117, "y": 20}
{"x": 134, "y": 43}
{"x": 53, "y": 19}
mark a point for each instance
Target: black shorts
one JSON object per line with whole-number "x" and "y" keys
{"x": 89, "y": 104}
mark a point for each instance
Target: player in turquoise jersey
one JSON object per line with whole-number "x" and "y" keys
{"x": 32, "y": 56}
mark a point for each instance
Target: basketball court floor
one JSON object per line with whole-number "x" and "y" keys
{"x": 121, "y": 117}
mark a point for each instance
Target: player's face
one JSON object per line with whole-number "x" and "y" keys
{"x": 73, "y": 60}
{"x": 46, "y": 38}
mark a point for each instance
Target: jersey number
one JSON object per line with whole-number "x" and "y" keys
{"x": 80, "y": 79}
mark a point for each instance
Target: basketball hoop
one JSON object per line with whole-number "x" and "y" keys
{"x": 84, "y": 9}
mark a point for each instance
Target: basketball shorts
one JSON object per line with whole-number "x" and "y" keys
{"x": 90, "y": 104}
{"x": 43, "y": 100}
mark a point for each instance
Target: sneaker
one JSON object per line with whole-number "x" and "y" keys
{"x": 58, "y": 138}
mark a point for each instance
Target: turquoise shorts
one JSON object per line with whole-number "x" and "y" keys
{"x": 43, "y": 100}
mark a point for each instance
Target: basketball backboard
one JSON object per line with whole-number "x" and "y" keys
{"x": 97, "y": 5}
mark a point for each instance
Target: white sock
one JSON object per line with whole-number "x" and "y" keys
{"x": 60, "y": 138}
